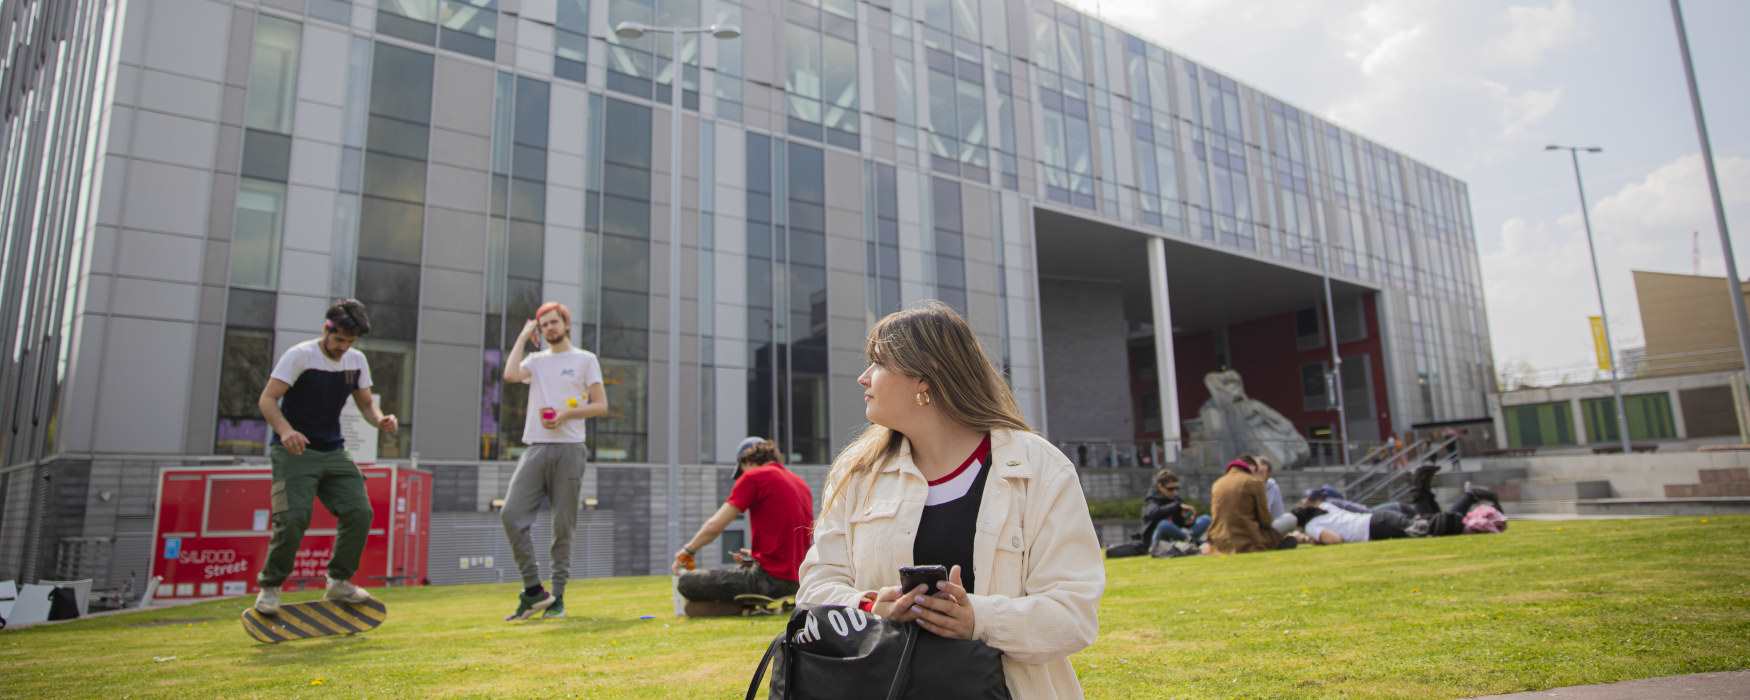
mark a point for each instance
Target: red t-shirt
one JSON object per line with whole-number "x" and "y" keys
{"x": 780, "y": 517}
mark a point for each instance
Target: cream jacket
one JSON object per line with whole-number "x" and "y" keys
{"x": 1039, "y": 564}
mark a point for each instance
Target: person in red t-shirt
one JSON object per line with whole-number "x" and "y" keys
{"x": 780, "y": 513}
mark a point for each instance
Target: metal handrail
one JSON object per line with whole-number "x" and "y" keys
{"x": 1394, "y": 474}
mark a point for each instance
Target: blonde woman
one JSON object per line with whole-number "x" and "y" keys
{"x": 948, "y": 473}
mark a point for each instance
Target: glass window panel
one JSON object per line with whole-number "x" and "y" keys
{"x": 996, "y": 24}
{"x": 255, "y": 239}
{"x": 469, "y": 26}
{"x": 243, "y": 372}
{"x": 802, "y": 50}
{"x": 392, "y": 374}
{"x": 1080, "y": 149}
{"x": 395, "y": 178}
{"x": 1070, "y": 40}
{"x": 389, "y": 230}
{"x": 840, "y": 83}
{"x": 942, "y": 98}
{"x": 905, "y": 105}
{"x": 267, "y": 156}
{"x": 401, "y": 84}
{"x": 528, "y": 201}
{"x": 631, "y": 142}
{"x": 250, "y": 308}
{"x": 625, "y": 263}
{"x": 573, "y": 15}
{"x": 422, "y": 10}
{"x": 1044, "y": 42}
{"x": 625, "y": 217}
{"x": 971, "y": 108}
{"x": 938, "y": 15}
{"x": 273, "y": 75}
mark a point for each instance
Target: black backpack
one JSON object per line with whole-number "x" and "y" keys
{"x": 1127, "y": 549}
{"x": 63, "y": 603}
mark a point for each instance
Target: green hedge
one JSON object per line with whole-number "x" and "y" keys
{"x": 1127, "y": 508}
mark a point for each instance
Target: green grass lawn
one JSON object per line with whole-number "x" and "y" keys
{"x": 1544, "y": 605}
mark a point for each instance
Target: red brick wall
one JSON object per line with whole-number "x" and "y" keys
{"x": 1264, "y": 353}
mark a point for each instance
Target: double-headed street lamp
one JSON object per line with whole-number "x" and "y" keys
{"x": 1598, "y": 281}
{"x": 636, "y": 30}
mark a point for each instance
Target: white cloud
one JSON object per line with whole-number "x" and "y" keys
{"x": 1538, "y": 281}
{"x": 1534, "y": 31}
{"x": 1520, "y": 111}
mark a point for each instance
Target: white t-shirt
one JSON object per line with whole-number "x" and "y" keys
{"x": 554, "y": 379}
{"x": 1352, "y": 527}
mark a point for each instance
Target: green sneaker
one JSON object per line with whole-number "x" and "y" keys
{"x": 528, "y": 606}
{"x": 557, "y": 609}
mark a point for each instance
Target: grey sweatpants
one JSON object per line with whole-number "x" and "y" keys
{"x": 552, "y": 472}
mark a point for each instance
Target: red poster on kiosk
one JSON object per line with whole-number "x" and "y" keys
{"x": 213, "y": 525}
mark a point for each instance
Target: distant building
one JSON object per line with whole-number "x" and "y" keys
{"x": 1685, "y": 385}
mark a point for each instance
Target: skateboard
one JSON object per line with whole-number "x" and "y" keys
{"x": 755, "y": 604}
{"x": 316, "y": 618}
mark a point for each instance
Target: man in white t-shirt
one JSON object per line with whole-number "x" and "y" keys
{"x": 565, "y": 387}
{"x": 1334, "y": 525}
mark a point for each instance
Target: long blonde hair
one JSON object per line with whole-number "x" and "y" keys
{"x": 932, "y": 343}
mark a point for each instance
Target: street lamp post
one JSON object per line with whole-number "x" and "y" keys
{"x": 1598, "y": 281}
{"x": 635, "y": 30}
{"x": 1713, "y": 185}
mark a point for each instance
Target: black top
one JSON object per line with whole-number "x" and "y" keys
{"x": 945, "y": 530}
{"x": 1156, "y": 508}
{"x": 319, "y": 388}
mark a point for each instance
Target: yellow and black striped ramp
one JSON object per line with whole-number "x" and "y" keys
{"x": 317, "y": 618}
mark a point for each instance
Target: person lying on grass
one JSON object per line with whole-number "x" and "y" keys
{"x": 1477, "y": 510}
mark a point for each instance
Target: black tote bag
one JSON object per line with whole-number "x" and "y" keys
{"x": 832, "y": 651}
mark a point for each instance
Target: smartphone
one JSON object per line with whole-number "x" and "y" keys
{"x": 931, "y": 575}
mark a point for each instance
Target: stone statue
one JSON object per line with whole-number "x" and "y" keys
{"x": 1230, "y": 424}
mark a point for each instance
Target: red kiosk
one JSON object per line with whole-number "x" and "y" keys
{"x": 213, "y": 524}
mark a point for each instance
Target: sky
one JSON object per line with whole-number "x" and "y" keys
{"x": 1476, "y": 88}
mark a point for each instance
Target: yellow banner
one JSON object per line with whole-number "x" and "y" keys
{"x": 1599, "y": 345}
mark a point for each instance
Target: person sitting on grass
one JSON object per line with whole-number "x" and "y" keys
{"x": 1168, "y": 519}
{"x": 1240, "y": 512}
{"x": 780, "y": 514}
{"x": 1272, "y": 492}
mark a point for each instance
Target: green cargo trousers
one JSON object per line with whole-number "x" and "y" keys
{"x": 297, "y": 481}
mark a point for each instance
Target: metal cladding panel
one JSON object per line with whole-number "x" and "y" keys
{"x": 468, "y": 547}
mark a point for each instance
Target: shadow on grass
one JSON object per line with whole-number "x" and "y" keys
{"x": 308, "y": 651}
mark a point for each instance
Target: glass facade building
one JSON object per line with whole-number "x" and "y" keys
{"x": 189, "y": 183}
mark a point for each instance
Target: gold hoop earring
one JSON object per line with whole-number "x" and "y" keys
{"x": 922, "y": 398}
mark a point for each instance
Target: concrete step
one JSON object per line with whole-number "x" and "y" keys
{"x": 1521, "y": 490}
{"x": 1564, "y": 490}
{"x": 1665, "y": 506}
{"x": 1517, "y": 508}
{"x": 1481, "y": 477}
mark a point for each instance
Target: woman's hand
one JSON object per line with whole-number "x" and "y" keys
{"x": 891, "y": 605}
{"x": 947, "y": 613}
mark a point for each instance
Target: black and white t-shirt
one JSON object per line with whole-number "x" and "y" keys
{"x": 950, "y": 517}
{"x": 321, "y": 387}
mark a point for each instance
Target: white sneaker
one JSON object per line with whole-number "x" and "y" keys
{"x": 345, "y": 592}
{"x": 267, "y": 602}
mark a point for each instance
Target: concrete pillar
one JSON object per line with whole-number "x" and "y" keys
{"x": 1677, "y": 414}
{"x": 1578, "y": 415}
{"x": 1741, "y": 403}
{"x": 1166, "y": 377}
